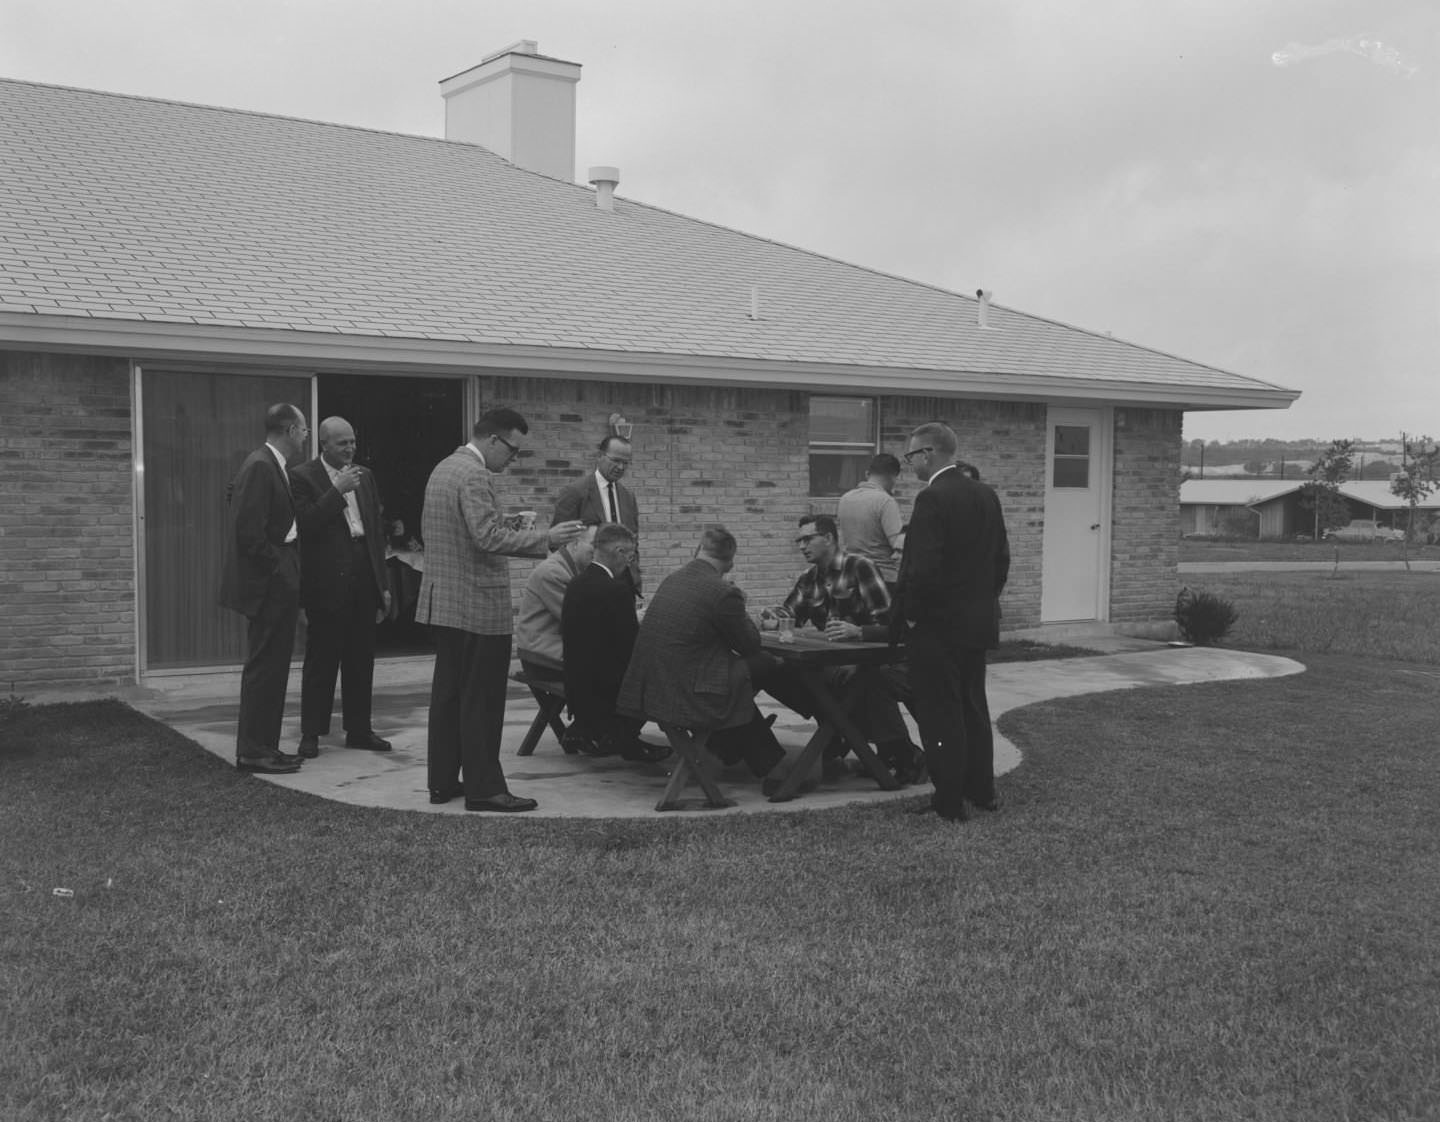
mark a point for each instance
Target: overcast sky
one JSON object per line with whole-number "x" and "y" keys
{"x": 1253, "y": 184}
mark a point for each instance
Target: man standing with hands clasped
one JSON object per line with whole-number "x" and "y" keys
{"x": 465, "y": 598}
{"x": 600, "y": 497}
{"x": 956, "y": 561}
{"x": 342, "y": 588}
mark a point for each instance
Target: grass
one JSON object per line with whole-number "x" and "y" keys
{"x": 1386, "y": 615}
{"x": 1195, "y": 549}
{"x": 1209, "y": 902}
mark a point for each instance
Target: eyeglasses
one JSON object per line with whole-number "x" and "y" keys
{"x": 514, "y": 451}
{"x": 806, "y": 539}
{"x": 909, "y": 456}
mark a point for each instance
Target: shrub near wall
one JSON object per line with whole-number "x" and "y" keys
{"x": 67, "y": 577}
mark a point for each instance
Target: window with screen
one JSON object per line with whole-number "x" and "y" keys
{"x": 842, "y": 442}
{"x": 1072, "y": 456}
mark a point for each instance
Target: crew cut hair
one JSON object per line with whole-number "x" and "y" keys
{"x": 495, "y": 422}
{"x": 939, "y": 436}
{"x": 612, "y": 534}
{"x": 823, "y": 523}
{"x": 607, "y": 439}
{"x": 718, "y": 542}
{"x": 280, "y": 417}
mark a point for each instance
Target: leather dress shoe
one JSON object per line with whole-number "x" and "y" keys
{"x": 367, "y": 741}
{"x": 271, "y": 762}
{"x": 309, "y": 747}
{"x": 445, "y": 795}
{"x": 503, "y": 803}
{"x": 991, "y": 804}
{"x": 289, "y": 757}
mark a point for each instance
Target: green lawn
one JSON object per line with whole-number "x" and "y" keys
{"x": 1193, "y": 549}
{"x": 1388, "y": 615}
{"x": 1208, "y": 902}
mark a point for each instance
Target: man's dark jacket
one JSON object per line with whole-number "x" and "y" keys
{"x": 326, "y": 554}
{"x": 598, "y": 627}
{"x": 955, "y": 563}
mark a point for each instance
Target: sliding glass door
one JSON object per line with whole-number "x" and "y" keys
{"x": 197, "y": 428}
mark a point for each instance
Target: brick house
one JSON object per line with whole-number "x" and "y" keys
{"x": 167, "y": 270}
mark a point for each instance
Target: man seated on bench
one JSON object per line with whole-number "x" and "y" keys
{"x": 698, "y": 661}
{"x": 538, "y": 640}
{"x": 598, "y": 626}
{"x": 844, "y": 595}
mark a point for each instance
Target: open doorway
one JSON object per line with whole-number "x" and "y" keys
{"x": 404, "y": 426}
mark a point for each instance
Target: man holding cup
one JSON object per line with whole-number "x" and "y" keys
{"x": 465, "y": 598}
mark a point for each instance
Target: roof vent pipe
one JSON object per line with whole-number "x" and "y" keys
{"x": 605, "y": 180}
{"x": 982, "y": 310}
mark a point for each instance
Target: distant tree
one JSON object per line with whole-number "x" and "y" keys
{"x": 1415, "y": 481}
{"x": 1321, "y": 492}
{"x": 1377, "y": 468}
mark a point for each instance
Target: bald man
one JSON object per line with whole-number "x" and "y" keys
{"x": 342, "y": 587}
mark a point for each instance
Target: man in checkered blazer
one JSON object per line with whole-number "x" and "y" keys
{"x": 465, "y": 598}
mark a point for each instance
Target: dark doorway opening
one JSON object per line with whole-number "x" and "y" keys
{"x": 403, "y": 427}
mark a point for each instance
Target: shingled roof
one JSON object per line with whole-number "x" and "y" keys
{"x": 163, "y": 227}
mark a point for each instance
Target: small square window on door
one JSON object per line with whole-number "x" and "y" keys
{"x": 1072, "y": 456}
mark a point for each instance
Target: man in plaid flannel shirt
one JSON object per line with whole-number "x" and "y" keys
{"x": 844, "y": 595}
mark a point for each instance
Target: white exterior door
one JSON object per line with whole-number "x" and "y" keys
{"x": 1074, "y": 584}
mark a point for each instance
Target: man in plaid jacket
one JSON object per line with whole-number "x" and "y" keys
{"x": 465, "y": 598}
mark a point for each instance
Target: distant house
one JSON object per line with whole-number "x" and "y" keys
{"x": 168, "y": 270}
{"x": 1271, "y": 509}
{"x": 1373, "y": 499}
{"x": 1256, "y": 508}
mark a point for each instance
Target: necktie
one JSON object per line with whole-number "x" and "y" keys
{"x": 614, "y": 508}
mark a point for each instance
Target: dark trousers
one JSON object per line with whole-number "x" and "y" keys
{"x": 269, "y": 642}
{"x": 871, "y": 697}
{"x": 467, "y": 711}
{"x": 954, "y": 718}
{"x": 341, "y": 642}
{"x": 753, "y": 742}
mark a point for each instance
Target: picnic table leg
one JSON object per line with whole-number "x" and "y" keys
{"x": 831, "y": 721}
{"x": 687, "y": 747}
{"x": 547, "y": 713}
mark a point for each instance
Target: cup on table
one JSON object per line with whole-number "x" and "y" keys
{"x": 785, "y": 630}
{"x": 526, "y": 519}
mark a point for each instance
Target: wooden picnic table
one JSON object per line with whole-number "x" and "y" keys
{"x": 808, "y": 653}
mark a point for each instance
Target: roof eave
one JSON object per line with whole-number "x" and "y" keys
{"x": 171, "y": 340}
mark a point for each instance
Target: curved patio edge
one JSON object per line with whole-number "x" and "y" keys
{"x": 580, "y": 787}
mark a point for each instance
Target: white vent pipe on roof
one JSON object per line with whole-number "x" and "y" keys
{"x": 605, "y": 180}
{"x": 982, "y": 310}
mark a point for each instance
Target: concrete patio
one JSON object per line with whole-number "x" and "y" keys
{"x": 203, "y": 708}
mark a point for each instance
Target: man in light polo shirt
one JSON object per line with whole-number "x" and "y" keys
{"x": 869, "y": 518}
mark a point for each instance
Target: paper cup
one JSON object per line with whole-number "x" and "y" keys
{"x": 526, "y": 519}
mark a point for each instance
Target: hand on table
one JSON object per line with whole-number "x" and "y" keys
{"x": 837, "y": 630}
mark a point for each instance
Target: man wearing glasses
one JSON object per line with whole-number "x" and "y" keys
{"x": 843, "y": 595}
{"x": 261, "y": 581}
{"x": 956, "y": 561}
{"x": 465, "y": 598}
{"x": 601, "y": 497}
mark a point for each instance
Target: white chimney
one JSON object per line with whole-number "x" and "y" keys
{"x": 520, "y": 105}
{"x": 605, "y": 180}
{"x": 982, "y": 310}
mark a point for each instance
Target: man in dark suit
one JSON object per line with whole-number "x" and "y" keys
{"x": 598, "y": 626}
{"x": 261, "y": 581}
{"x": 956, "y": 561}
{"x": 342, "y": 587}
{"x": 696, "y": 660}
{"x": 601, "y": 497}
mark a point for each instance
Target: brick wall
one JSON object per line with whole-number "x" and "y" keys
{"x": 1145, "y": 520}
{"x": 67, "y": 568}
{"x": 740, "y": 456}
